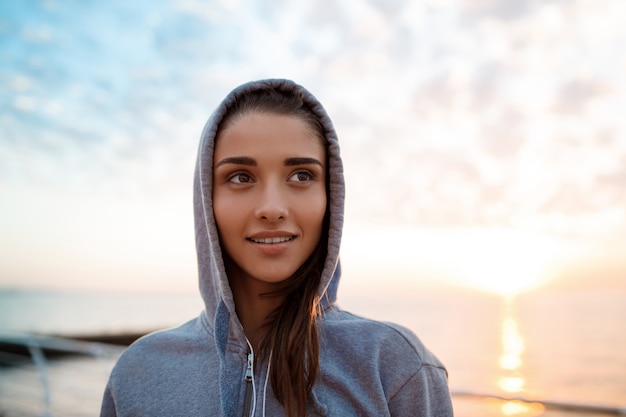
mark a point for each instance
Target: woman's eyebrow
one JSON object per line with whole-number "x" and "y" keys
{"x": 302, "y": 161}
{"x": 237, "y": 160}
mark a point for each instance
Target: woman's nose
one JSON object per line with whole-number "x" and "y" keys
{"x": 272, "y": 205}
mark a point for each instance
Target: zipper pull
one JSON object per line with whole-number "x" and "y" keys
{"x": 250, "y": 366}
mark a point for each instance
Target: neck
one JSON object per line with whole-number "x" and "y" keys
{"x": 252, "y": 308}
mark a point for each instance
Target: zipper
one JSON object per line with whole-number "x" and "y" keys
{"x": 248, "y": 378}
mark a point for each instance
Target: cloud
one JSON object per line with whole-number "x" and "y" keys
{"x": 499, "y": 9}
{"x": 503, "y": 135}
{"x": 574, "y": 96}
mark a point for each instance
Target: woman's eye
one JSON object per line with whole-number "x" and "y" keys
{"x": 240, "y": 178}
{"x": 301, "y": 176}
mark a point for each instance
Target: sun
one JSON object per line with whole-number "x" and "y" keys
{"x": 504, "y": 262}
{"x": 500, "y": 261}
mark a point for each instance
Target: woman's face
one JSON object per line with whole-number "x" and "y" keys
{"x": 269, "y": 194}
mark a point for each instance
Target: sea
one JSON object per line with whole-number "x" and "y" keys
{"x": 551, "y": 353}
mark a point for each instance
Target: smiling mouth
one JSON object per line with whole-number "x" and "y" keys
{"x": 271, "y": 240}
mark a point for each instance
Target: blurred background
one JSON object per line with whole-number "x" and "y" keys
{"x": 485, "y": 161}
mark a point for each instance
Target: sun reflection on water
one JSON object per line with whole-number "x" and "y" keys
{"x": 513, "y": 345}
{"x": 520, "y": 408}
{"x": 510, "y": 361}
{"x": 511, "y": 384}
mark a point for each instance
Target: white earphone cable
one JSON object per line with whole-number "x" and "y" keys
{"x": 267, "y": 376}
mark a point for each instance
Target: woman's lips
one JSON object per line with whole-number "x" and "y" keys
{"x": 272, "y": 246}
{"x": 271, "y": 240}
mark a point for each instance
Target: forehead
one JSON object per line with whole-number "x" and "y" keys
{"x": 268, "y": 133}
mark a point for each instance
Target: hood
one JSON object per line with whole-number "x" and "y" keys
{"x": 214, "y": 286}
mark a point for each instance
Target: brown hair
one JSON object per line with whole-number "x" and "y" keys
{"x": 292, "y": 334}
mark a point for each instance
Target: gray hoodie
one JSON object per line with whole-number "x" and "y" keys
{"x": 367, "y": 368}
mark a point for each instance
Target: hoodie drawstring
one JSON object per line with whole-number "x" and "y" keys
{"x": 250, "y": 379}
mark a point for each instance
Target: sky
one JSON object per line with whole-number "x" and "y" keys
{"x": 483, "y": 140}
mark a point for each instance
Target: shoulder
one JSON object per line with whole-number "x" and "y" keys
{"x": 389, "y": 342}
{"x": 160, "y": 369}
{"x": 183, "y": 336}
{"x": 377, "y": 364}
{"x": 163, "y": 349}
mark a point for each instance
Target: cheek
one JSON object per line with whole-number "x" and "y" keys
{"x": 314, "y": 211}
{"x": 225, "y": 216}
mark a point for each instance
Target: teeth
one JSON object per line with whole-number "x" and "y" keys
{"x": 272, "y": 240}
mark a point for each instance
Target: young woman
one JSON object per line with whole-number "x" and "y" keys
{"x": 268, "y": 202}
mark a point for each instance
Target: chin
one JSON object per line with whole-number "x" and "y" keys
{"x": 273, "y": 279}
